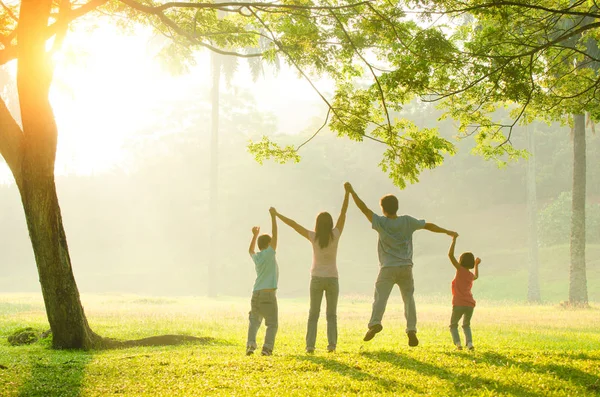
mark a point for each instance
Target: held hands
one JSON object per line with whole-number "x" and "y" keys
{"x": 273, "y": 211}
{"x": 348, "y": 187}
{"x": 452, "y": 234}
{"x": 255, "y": 230}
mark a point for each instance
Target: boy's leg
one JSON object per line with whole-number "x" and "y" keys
{"x": 466, "y": 325}
{"x": 457, "y": 313}
{"x": 268, "y": 307}
{"x": 407, "y": 289}
{"x": 332, "y": 292}
{"x": 316, "y": 297}
{"x": 255, "y": 319}
{"x": 383, "y": 287}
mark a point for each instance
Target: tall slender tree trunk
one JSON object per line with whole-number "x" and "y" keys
{"x": 578, "y": 280}
{"x": 533, "y": 285}
{"x": 35, "y": 178}
{"x": 214, "y": 175}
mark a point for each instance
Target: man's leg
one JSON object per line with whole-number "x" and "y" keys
{"x": 316, "y": 297}
{"x": 268, "y": 306}
{"x": 332, "y": 292}
{"x": 467, "y": 327}
{"x": 383, "y": 287}
{"x": 407, "y": 288}
{"x": 255, "y": 319}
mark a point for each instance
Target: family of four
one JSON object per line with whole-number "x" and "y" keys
{"x": 395, "y": 252}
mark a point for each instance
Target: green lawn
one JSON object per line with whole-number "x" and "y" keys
{"x": 520, "y": 350}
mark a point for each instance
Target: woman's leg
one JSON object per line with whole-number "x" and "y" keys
{"x": 316, "y": 296}
{"x": 332, "y": 292}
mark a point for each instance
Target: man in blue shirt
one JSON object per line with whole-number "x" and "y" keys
{"x": 395, "y": 252}
{"x": 264, "y": 301}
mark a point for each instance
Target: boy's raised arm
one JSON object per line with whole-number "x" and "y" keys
{"x": 451, "y": 253}
{"x": 359, "y": 203}
{"x": 255, "y": 231}
{"x": 291, "y": 223}
{"x": 342, "y": 218}
{"x": 476, "y": 272}
{"x": 432, "y": 227}
{"x": 273, "y": 213}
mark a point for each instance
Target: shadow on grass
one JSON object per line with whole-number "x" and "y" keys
{"x": 356, "y": 373}
{"x": 459, "y": 381}
{"x": 60, "y": 373}
{"x": 564, "y": 372}
{"x": 162, "y": 340}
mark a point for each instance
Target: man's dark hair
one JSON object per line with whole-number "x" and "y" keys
{"x": 389, "y": 203}
{"x": 264, "y": 241}
{"x": 467, "y": 260}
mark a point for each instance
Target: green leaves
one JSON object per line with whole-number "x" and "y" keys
{"x": 266, "y": 150}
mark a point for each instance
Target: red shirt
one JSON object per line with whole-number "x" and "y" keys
{"x": 461, "y": 288}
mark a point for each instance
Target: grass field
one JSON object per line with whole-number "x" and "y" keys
{"x": 520, "y": 351}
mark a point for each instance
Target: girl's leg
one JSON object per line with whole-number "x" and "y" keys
{"x": 457, "y": 313}
{"x": 316, "y": 296}
{"x": 332, "y": 292}
{"x": 466, "y": 325}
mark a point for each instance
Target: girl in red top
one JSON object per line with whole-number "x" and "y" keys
{"x": 462, "y": 298}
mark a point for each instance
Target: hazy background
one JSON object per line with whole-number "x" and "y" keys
{"x": 137, "y": 219}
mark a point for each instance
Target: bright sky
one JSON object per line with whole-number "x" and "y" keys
{"x": 108, "y": 86}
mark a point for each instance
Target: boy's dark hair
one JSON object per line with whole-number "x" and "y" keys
{"x": 467, "y": 260}
{"x": 264, "y": 241}
{"x": 389, "y": 203}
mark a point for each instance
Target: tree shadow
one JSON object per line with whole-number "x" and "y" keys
{"x": 564, "y": 372}
{"x": 61, "y": 373}
{"x": 162, "y": 340}
{"x": 356, "y": 373}
{"x": 459, "y": 381}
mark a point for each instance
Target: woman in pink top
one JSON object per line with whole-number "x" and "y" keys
{"x": 324, "y": 273}
{"x": 463, "y": 303}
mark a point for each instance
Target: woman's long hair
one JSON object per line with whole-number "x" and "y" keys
{"x": 324, "y": 229}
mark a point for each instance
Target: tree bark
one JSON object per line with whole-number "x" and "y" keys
{"x": 533, "y": 285}
{"x": 67, "y": 320}
{"x": 578, "y": 295}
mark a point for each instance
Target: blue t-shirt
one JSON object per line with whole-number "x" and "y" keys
{"x": 395, "y": 239}
{"x": 267, "y": 271}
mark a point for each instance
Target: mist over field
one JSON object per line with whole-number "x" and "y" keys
{"x": 143, "y": 227}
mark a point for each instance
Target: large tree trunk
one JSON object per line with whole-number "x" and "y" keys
{"x": 578, "y": 281}
{"x": 214, "y": 175}
{"x": 35, "y": 178}
{"x": 533, "y": 285}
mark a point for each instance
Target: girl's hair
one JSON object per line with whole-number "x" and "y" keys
{"x": 324, "y": 229}
{"x": 467, "y": 260}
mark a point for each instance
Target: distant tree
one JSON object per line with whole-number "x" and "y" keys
{"x": 537, "y": 59}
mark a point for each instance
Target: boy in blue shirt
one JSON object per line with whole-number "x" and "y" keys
{"x": 264, "y": 301}
{"x": 395, "y": 260}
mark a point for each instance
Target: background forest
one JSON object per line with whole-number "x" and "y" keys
{"x": 159, "y": 198}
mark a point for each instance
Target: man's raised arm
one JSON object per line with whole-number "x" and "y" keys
{"x": 432, "y": 227}
{"x": 359, "y": 203}
{"x": 273, "y": 213}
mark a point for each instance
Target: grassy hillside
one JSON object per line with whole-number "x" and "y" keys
{"x": 520, "y": 351}
{"x": 504, "y": 274}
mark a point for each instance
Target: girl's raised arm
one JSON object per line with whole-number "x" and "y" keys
{"x": 293, "y": 224}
